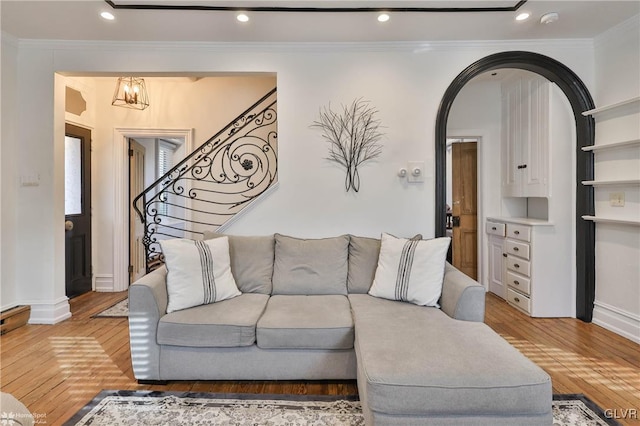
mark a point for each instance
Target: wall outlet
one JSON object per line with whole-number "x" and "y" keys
{"x": 616, "y": 199}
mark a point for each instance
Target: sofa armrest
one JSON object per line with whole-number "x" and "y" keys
{"x": 147, "y": 304}
{"x": 462, "y": 297}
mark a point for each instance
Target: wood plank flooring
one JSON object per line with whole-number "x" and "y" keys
{"x": 56, "y": 370}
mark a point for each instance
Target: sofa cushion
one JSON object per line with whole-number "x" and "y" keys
{"x": 363, "y": 261}
{"x": 416, "y": 360}
{"x": 229, "y": 323}
{"x": 251, "y": 261}
{"x": 306, "y": 322}
{"x": 308, "y": 267}
{"x": 198, "y": 272}
{"x": 410, "y": 270}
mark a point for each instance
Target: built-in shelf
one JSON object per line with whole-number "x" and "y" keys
{"x": 613, "y": 145}
{"x": 611, "y": 182}
{"x": 612, "y": 106}
{"x": 612, "y": 220}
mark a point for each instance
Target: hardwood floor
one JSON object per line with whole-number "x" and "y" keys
{"x": 56, "y": 370}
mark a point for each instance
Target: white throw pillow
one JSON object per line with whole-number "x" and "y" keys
{"x": 410, "y": 270}
{"x": 198, "y": 272}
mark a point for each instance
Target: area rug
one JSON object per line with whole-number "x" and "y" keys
{"x": 174, "y": 408}
{"x": 119, "y": 310}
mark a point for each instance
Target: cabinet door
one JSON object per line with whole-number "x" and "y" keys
{"x": 496, "y": 266}
{"x": 511, "y": 106}
{"x": 525, "y": 136}
{"x": 535, "y": 152}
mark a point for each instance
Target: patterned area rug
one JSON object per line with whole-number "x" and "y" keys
{"x": 120, "y": 309}
{"x": 164, "y": 408}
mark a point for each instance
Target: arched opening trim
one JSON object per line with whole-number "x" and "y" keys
{"x": 580, "y": 100}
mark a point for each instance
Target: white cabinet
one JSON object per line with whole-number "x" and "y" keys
{"x": 496, "y": 232}
{"x": 525, "y": 136}
{"x": 526, "y": 267}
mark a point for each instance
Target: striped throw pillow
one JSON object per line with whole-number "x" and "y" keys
{"x": 198, "y": 272}
{"x": 410, "y": 270}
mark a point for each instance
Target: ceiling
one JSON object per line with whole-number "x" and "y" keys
{"x": 80, "y": 20}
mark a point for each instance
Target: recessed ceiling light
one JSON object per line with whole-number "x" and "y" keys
{"x": 108, "y": 16}
{"x": 523, "y": 16}
{"x": 383, "y": 17}
{"x": 242, "y": 17}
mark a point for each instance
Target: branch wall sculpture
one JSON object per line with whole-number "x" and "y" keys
{"x": 354, "y": 137}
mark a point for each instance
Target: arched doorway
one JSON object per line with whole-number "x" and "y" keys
{"x": 580, "y": 100}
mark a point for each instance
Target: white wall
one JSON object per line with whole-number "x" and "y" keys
{"x": 404, "y": 81}
{"x": 477, "y": 111}
{"x": 8, "y": 176}
{"x": 617, "y": 67}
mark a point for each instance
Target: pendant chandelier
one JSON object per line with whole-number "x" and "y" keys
{"x": 131, "y": 92}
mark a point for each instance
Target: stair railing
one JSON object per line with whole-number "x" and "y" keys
{"x": 213, "y": 183}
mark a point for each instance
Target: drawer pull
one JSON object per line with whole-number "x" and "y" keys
{"x": 516, "y": 232}
{"x": 517, "y": 300}
{"x": 493, "y": 228}
{"x": 516, "y": 249}
{"x": 515, "y": 265}
{"x": 516, "y": 282}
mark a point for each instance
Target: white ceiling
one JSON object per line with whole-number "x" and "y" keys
{"x": 80, "y": 20}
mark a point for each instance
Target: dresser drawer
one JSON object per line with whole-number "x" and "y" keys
{"x": 522, "y": 284}
{"x": 517, "y": 248}
{"x": 519, "y": 232}
{"x": 520, "y": 266}
{"x": 519, "y": 300}
{"x": 495, "y": 228}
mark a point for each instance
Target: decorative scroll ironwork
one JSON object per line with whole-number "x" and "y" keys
{"x": 214, "y": 182}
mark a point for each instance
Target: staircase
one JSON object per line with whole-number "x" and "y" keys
{"x": 214, "y": 183}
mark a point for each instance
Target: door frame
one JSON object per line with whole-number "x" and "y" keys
{"x": 479, "y": 136}
{"x": 121, "y": 188}
{"x": 580, "y": 99}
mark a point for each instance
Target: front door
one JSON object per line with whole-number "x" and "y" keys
{"x": 77, "y": 203}
{"x": 465, "y": 208}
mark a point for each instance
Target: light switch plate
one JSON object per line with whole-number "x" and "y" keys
{"x": 616, "y": 199}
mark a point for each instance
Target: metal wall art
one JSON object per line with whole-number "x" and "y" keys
{"x": 353, "y": 135}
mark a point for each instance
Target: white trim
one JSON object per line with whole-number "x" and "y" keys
{"x": 247, "y": 208}
{"x": 104, "y": 283}
{"x": 619, "y": 321}
{"x": 288, "y": 47}
{"x": 121, "y": 194}
{"x": 49, "y": 312}
{"x": 479, "y": 135}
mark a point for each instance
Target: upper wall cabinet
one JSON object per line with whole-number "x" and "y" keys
{"x": 525, "y": 136}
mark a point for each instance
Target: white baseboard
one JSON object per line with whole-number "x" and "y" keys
{"x": 617, "y": 320}
{"x": 104, "y": 283}
{"x": 49, "y": 312}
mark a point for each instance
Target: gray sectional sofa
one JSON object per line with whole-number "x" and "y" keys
{"x": 305, "y": 314}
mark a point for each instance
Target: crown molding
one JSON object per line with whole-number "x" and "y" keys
{"x": 314, "y": 47}
{"x": 612, "y": 35}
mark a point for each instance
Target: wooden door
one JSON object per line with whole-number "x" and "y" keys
{"x": 465, "y": 208}
{"x": 77, "y": 200}
{"x": 136, "y": 227}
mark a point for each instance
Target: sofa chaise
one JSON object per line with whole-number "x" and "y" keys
{"x": 305, "y": 313}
